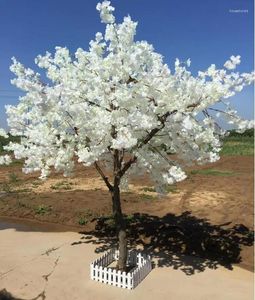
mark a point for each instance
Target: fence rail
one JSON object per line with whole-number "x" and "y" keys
{"x": 100, "y": 270}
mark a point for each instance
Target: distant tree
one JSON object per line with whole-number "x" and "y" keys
{"x": 119, "y": 107}
{"x": 236, "y": 133}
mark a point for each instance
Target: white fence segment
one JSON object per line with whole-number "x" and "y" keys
{"x": 99, "y": 270}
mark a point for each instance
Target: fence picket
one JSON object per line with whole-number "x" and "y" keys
{"x": 100, "y": 277}
{"x": 129, "y": 281}
{"x": 114, "y": 275}
{"x": 123, "y": 279}
{"x": 119, "y": 278}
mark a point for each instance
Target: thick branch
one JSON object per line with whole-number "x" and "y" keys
{"x": 127, "y": 165}
{"x": 110, "y": 187}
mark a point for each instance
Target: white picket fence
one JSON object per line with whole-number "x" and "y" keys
{"x": 100, "y": 272}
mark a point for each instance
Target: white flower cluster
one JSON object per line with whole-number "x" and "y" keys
{"x": 3, "y": 133}
{"x": 232, "y": 62}
{"x": 5, "y": 160}
{"x": 175, "y": 174}
{"x": 119, "y": 95}
{"x": 106, "y": 10}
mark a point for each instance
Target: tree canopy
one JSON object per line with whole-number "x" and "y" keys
{"x": 120, "y": 96}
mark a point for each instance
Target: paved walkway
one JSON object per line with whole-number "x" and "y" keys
{"x": 44, "y": 265}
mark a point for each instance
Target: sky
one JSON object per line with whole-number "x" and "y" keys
{"x": 206, "y": 31}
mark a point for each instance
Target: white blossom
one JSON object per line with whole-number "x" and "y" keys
{"x": 5, "y": 160}
{"x": 232, "y": 62}
{"x": 106, "y": 10}
{"x": 3, "y": 133}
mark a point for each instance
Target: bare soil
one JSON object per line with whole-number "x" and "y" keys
{"x": 215, "y": 211}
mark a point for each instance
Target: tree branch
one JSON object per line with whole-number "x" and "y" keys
{"x": 110, "y": 187}
{"x": 127, "y": 165}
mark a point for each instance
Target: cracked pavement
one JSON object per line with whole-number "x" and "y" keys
{"x": 46, "y": 266}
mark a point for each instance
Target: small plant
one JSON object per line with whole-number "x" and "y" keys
{"x": 130, "y": 218}
{"x": 42, "y": 209}
{"x": 36, "y": 183}
{"x": 86, "y": 216}
{"x": 147, "y": 197}
{"x": 82, "y": 221}
{"x": 149, "y": 189}
{"x": 13, "y": 178}
{"x": 109, "y": 221}
{"x": 62, "y": 185}
{"x": 6, "y": 188}
{"x": 171, "y": 188}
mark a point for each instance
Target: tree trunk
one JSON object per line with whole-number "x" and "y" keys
{"x": 120, "y": 226}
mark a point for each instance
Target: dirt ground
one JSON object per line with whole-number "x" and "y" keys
{"x": 207, "y": 215}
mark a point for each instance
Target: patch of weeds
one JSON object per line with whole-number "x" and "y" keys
{"x": 147, "y": 197}
{"x": 149, "y": 189}
{"x": 171, "y": 188}
{"x": 36, "y": 183}
{"x": 130, "y": 218}
{"x": 25, "y": 190}
{"x": 82, "y": 221}
{"x": 13, "y": 178}
{"x": 6, "y": 187}
{"x": 22, "y": 205}
{"x": 62, "y": 185}
{"x": 212, "y": 172}
{"x": 86, "y": 216}
{"x": 42, "y": 209}
{"x": 238, "y": 145}
{"x": 109, "y": 221}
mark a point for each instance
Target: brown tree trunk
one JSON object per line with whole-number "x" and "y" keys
{"x": 120, "y": 226}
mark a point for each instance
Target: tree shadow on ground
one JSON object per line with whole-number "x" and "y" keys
{"x": 183, "y": 242}
{"x": 4, "y": 295}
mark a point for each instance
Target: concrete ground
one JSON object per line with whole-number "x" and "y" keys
{"x": 44, "y": 265}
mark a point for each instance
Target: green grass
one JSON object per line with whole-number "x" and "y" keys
{"x": 238, "y": 146}
{"x": 149, "y": 189}
{"x": 62, "y": 185}
{"x": 42, "y": 209}
{"x": 171, "y": 188}
{"x": 212, "y": 172}
{"x": 86, "y": 216}
{"x": 82, "y": 221}
{"x": 147, "y": 197}
{"x": 238, "y": 143}
{"x": 13, "y": 178}
{"x": 168, "y": 188}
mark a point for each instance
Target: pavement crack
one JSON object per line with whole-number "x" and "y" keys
{"x": 46, "y": 277}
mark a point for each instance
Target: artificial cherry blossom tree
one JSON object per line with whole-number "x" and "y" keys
{"x": 119, "y": 108}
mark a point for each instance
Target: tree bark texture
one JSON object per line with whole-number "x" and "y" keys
{"x": 120, "y": 225}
